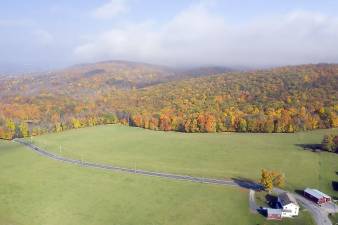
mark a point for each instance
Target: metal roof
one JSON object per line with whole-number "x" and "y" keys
{"x": 316, "y": 193}
{"x": 274, "y": 211}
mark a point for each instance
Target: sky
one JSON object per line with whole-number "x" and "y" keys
{"x": 44, "y": 34}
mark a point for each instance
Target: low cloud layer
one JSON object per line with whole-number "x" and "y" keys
{"x": 198, "y": 36}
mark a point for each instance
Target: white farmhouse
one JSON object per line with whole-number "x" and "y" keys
{"x": 288, "y": 205}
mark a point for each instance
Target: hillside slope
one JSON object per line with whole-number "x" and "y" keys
{"x": 285, "y": 99}
{"x": 86, "y": 79}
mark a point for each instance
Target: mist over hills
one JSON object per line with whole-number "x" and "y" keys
{"x": 103, "y": 75}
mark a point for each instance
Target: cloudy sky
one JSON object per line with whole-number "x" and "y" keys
{"x": 42, "y": 33}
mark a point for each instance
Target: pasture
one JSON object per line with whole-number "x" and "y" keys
{"x": 221, "y": 155}
{"x": 37, "y": 190}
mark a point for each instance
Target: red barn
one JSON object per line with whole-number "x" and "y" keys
{"x": 316, "y": 196}
{"x": 274, "y": 214}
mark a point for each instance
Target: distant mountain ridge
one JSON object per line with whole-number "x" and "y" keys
{"x": 102, "y": 75}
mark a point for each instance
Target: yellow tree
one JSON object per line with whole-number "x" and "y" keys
{"x": 76, "y": 123}
{"x": 11, "y": 129}
{"x": 24, "y": 131}
{"x": 58, "y": 127}
{"x": 279, "y": 180}
{"x": 267, "y": 180}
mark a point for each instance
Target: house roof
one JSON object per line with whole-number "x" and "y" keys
{"x": 316, "y": 193}
{"x": 286, "y": 198}
{"x": 274, "y": 211}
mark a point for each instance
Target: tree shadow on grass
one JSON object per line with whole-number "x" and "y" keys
{"x": 310, "y": 147}
{"x": 248, "y": 184}
{"x": 300, "y": 192}
{"x": 335, "y": 185}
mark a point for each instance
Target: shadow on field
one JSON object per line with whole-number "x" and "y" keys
{"x": 310, "y": 147}
{"x": 300, "y": 192}
{"x": 263, "y": 212}
{"x": 247, "y": 183}
{"x": 335, "y": 185}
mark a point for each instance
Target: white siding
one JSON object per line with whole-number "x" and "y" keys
{"x": 290, "y": 210}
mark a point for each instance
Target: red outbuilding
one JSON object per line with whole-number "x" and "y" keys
{"x": 274, "y": 214}
{"x": 316, "y": 196}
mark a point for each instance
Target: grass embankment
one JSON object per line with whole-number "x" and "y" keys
{"x": 222, "y": 155}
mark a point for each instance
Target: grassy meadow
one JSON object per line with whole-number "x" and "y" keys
{"x": 221, "y": 155}
{"x": 37, "y": 190}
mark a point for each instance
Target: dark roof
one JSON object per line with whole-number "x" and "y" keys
{"x": 286, "y": 198}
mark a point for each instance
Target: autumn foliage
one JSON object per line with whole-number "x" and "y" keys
{"x": 286, "y": 99}
{"x": 271, "y": 179}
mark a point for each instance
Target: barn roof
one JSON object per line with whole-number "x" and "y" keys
{"x": 315, "y": 193}
{"x": 286, "y": 198}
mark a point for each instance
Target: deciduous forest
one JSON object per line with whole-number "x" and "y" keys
{"x": 284, "y": 99}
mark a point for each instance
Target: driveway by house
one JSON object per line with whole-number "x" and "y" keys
{"x": 252, "y": 202}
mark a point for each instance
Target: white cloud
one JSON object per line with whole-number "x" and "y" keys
{"x": 199, "y": 36}
{"x": 110, "y": 9}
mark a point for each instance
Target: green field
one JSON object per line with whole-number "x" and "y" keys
{"x": 222, "y": 155}
{"x": 37, "y": 190}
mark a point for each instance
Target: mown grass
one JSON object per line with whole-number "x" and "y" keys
{"x": 37, "y": 190}
{"x": 222, "y": 155}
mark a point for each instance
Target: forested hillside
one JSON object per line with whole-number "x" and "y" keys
{"x": 286, "y": 99}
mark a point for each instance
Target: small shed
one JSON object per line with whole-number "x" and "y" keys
{"x": 316, "y": 196}
{"x": 274, "y": 214}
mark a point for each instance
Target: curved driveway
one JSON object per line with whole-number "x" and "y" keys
{"x": 320, "y": 215}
